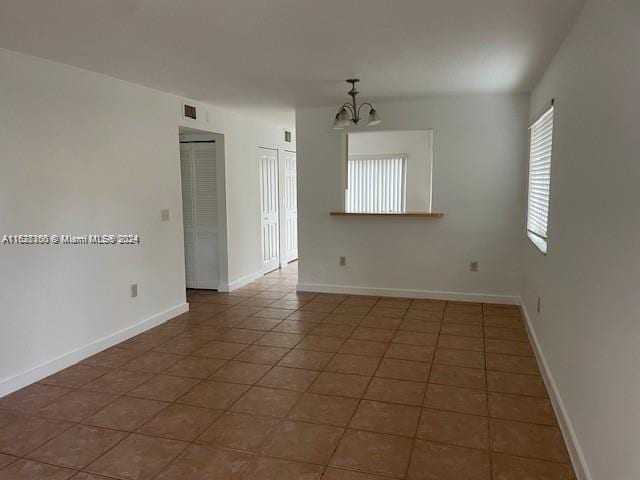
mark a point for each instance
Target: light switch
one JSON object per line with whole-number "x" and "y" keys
{"x": 164, "y": 215}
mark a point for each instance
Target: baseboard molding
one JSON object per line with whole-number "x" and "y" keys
{"x": 241, "y": 282}
{"x": 573, "y": 446}
{"x": 36, "y": 374}
{"x": 395, "y": 292}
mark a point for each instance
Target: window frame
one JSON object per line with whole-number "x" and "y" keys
{"x": 539, "y": 241}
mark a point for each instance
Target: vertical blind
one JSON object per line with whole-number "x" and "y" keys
{"x": 539, "y": 178}
{"x": 376, "y": 183}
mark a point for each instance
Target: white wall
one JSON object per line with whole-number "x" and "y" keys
{"x": 417, "y": 145}
{"x": 479, "y": 152}
{"x": 85, "y": 153}
{"x": 589, "y": 328}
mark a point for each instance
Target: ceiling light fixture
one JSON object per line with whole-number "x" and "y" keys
{"x": 349, "y": 113}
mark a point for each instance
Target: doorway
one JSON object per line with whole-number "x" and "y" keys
{"x": 199, "y": 172}
{"x": 279, "y": 212}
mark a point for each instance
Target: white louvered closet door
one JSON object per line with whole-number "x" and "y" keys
{"x": 290, "y": 204}
{"x": 200, "y": 205}
{"x": 269, "y": 206}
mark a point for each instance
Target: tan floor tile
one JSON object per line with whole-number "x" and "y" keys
{"x": 182, "y": 345}
{"x": 461, "y": 343}
{"x": 435, "y": 461}
{"x": 306, "y": 359}
{"x": 456, "y": 399}
{"x": 318, "y": 307}
{"x": 288, "y": 304}
{"x": 118, "y": 382}
{"x": 144, "y": 341}
{"x": 77, "y": 447}
{"x": 517, "y": 384}
{"x": 32, "y": 398}
{"x": 514, "y": 334}
{"x": 363, "y": 300}
{"x": 152, "y": 362}
{"x": 261, "y": 354}
{"x": 324, "y": 409}
{"x": 403, "y": 370}
{"x": 331, "y": 298}
{"x": 396, "y": 391}
{"x": 463, "y": 319}
{"x": 332, "y": 330}
{"x": 454, "y": 428}
{"x": 423, "y": 314}
{"x": 414, "y": 353}
{"x": 350, "y": 309}
{"x": 29, "y": 470}
{"x": 165, "y": 388}
{"x": 528, "y": 440}
{"x": 340, "y": 384}
{"x": 77, "y": 405}
{"x": 373, "y": 334}
{"x": 137, "y": 458}
{"x": 524, "y": 409}
{"x": 239, "y": 432}
{"x": 224, "y": 350}
{"x": 240, "y": 372}
{"x": 255, "y": 323}
{"x": 512, "y": 363}
{"x": 289, "y": 378}
{"x": 506, "y": 310}
{"x": 320, "y": 344}
{"x": 386, "y": 418}
{"x": 354, "y": 364}
{"x": 307, "y": 316}
{"x": 428, "y": 304}
{"x": 263, "y": 468}
{"x": 508, "y": 347}
{"x": 215, "y": 395}
{"x": 195, "y": 367}
{"x": 463, "y": 307}
{"x": 502, "y": 322}
{"x": 25, "y": 434}
{"x": 380, "y": 321}
{"x": 343, "y": 319}
{"x": 507, "y": 467}
{"x": 364, "y": 347}
{"x": 75, "y": 376}
{"x": 458, "y": 376}
{"x": 416, "y": 338}
{"x": 125, "y": 413}
{"x": 389, "y": 312}
{"x": 339, "y": 474}
{"x": 417, "y": 325}
{"x": 283, "y": 340}
{"x": 304, "y": 442}
{"x": 375, "y": 453}
{"x": 388, "y": 302}
{"x": 6, "y": 460}
{"x": 462, "y": 330}
{"x": 241, "y": 335}
{"x": 293, "y": 326}
{"x": 180, "y": 422}
{"x": 113, "y": 357}
{"x": 459, "y": 358}
{"x": 266, "y": 401}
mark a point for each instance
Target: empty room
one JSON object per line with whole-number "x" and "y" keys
{"x": 319, "y": 240}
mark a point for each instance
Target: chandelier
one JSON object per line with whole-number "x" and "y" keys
{"x": 349, "y": 113}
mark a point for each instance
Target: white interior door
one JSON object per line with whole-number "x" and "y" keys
{"x": 200, "y": 212}
{"x": 290, "y": 208}
{"x": 269, "y": 205}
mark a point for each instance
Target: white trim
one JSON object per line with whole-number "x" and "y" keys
{"x": 241, "y": 282}
{"x": 396, "y": 292}
{"x": 571, "y": 440}
{"x": 50, "y": 367}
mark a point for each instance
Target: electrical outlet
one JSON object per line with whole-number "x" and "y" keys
{"x": 539, "y": 304}
{"x": 343, "y": 261}
{"x": 164, "y": 215}
{"x": 473, "y": 266}
{"x": 134, "y": 290}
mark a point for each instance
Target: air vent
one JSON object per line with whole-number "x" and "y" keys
{"x": 189, "y": 111}
{"x": 287, "y": 136}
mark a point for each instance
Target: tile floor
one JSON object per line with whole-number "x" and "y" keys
{"x": 268, "y": 384}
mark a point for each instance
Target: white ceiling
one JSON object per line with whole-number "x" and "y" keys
{"x": 269, "y": 56}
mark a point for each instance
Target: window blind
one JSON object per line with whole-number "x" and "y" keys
{"x": 540, "y": 150}
{"x": 376, "y": 183}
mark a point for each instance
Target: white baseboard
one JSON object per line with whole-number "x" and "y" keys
{"x": 573, "y": 446}
{"x": 50, "y": 367}
{"x": 395, "y": 292}
{"x": 241, "y": 282}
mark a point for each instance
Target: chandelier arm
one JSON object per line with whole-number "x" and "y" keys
{"x": 362, "y": 105}
{"x": 350, "y": 108}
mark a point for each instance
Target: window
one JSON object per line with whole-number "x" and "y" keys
{"x": 376, "y": 183}
{"x": 539, "y": 179}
